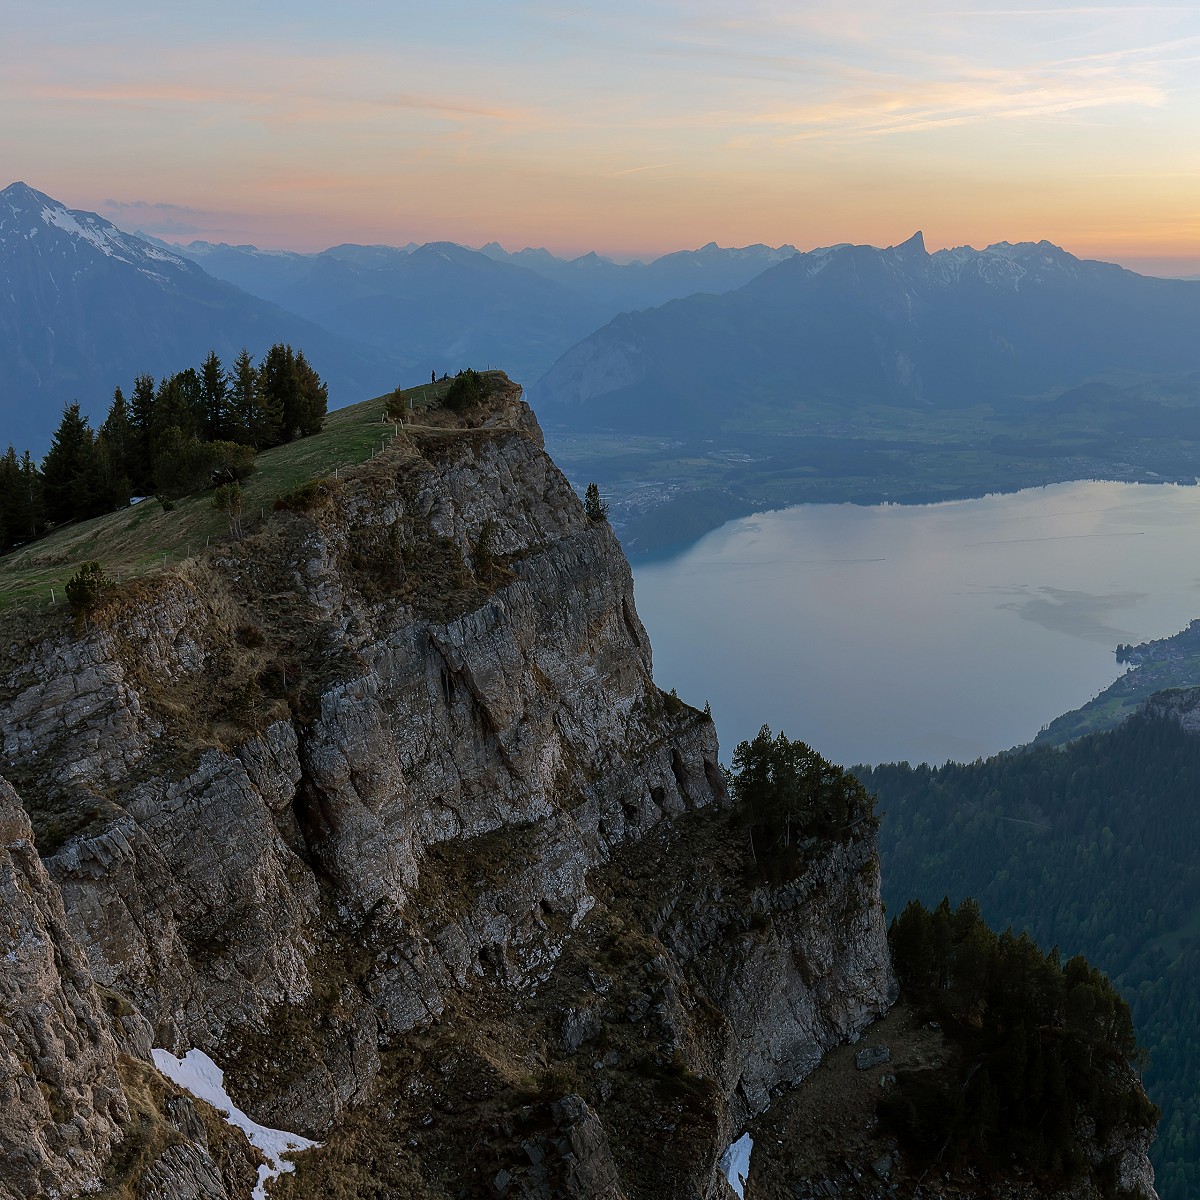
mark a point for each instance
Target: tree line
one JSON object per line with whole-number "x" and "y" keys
{"x": 197, "y": 428}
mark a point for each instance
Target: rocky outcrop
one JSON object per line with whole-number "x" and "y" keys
{"x": 77, "y": 1107}
{"x": 381, "y": 808}
{"x": 1179, "y": 704}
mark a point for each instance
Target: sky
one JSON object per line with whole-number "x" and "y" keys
{"x": 632, "y": 129}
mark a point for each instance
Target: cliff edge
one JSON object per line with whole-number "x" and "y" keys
{"x": 381, "y": 808}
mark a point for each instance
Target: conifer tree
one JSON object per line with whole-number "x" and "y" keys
{"x": 69, "y": 472}
{"x": 278, "y": 396}
{"x": 172, "y": 411}
{"x": 313, "y": 398}
{"x": 243, "y": 399}
{"x": 214, "y": 387}
{"x": 594, "y": 505}
{"x": 114, "y": 449}
{"x": 191, "y": 392}
{"x": 10, "y": 492}
{"x": 141, "y": 414}
{"x": 32, "y": 506}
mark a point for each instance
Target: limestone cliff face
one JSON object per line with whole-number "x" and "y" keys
{"x": 61, "y": 1102}
{"x": 382, "y": 808}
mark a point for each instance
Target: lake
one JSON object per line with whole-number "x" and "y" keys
{"x": 925, "y": 632}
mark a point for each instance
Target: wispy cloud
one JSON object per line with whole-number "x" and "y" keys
{"x": 155, "y": 217}
{"x": 638, "y": 170}
{"x": 892, "y": 105}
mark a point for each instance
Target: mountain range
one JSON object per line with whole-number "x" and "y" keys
{"x": 85, "y": 307}
{"x": 854, "y": 326}
{"x": 443, "y": 305}
{"x": 635, "y": 285}
{"x": 852, "y": 373}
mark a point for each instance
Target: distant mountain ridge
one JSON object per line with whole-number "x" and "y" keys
{"x": 85, "y": 307}
{"x": 636, "y": 285}
{"x": 445, "y": 306}
{"x": 866, "y": 374}
{"x": 858, "y": 325}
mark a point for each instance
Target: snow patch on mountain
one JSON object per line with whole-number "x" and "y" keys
{"x": 105, "y": 237}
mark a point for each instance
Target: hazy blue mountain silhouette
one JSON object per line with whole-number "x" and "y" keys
{"x": 440, "y": 305}
{"x": 853, "y": 326}
{"x": 446, "y": 306}
{"x": 623, "y": 287}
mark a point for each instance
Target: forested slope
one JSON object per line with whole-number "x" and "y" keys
{"x": 1092, "y": 848}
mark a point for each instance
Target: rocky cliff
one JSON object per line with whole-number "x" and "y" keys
{"x": 382, "y": 809}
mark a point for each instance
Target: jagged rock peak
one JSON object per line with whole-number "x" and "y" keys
{"x": 914, "y": 247}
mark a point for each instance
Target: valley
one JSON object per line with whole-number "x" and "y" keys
{"x": 666, "y": 493}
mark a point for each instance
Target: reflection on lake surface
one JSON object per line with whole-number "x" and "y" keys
{"x": 921, "y": 632}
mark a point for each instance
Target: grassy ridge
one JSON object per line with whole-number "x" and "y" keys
{"x": 145, "y": 538}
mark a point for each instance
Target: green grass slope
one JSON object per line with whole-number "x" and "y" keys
{"x": 146, "y": 538}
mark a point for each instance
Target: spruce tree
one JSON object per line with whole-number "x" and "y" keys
{"x": 214, "y": 387}
{"x": 10, "y": 489}
{"x": 33, "y": 502}
{"x": 141, "y": 414}
{"x": 173, "y": 411}
{"x": 114, "y": 448}
{"x": 313, "y": 397}
{"x": 278, "y": 397}
{"x": 243, "y": 399}
{"x": 69, "y": 473}
{"x": 594, "y": 505}
{"x": 191, "y": 392}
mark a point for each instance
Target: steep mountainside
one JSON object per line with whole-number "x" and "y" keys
{"x": 360, "y": 806}
{"x": 85, "y": 307}
{"x": 382, "y": 809}
{"x": 1092, "y": 847}
{"x": 864, "y": 326}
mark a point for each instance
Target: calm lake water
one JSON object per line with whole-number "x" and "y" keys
{"x": 921, "y": 632}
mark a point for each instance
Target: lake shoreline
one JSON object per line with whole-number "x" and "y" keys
{"x": 934, "y": 632}
{"x": 705, "y": 520}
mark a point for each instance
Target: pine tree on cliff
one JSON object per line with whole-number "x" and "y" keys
{"x": 593, "y": 505}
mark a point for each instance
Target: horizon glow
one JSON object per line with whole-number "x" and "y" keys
{"x": 630, "y": 130}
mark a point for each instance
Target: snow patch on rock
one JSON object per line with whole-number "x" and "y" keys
{"x": 735, "y": 1163}
{"x": 195, "y": 1072}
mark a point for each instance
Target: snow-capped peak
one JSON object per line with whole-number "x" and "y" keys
{"x": 25, "y": 212}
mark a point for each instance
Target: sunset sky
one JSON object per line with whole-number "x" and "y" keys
{"x": 629, "y": 128}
